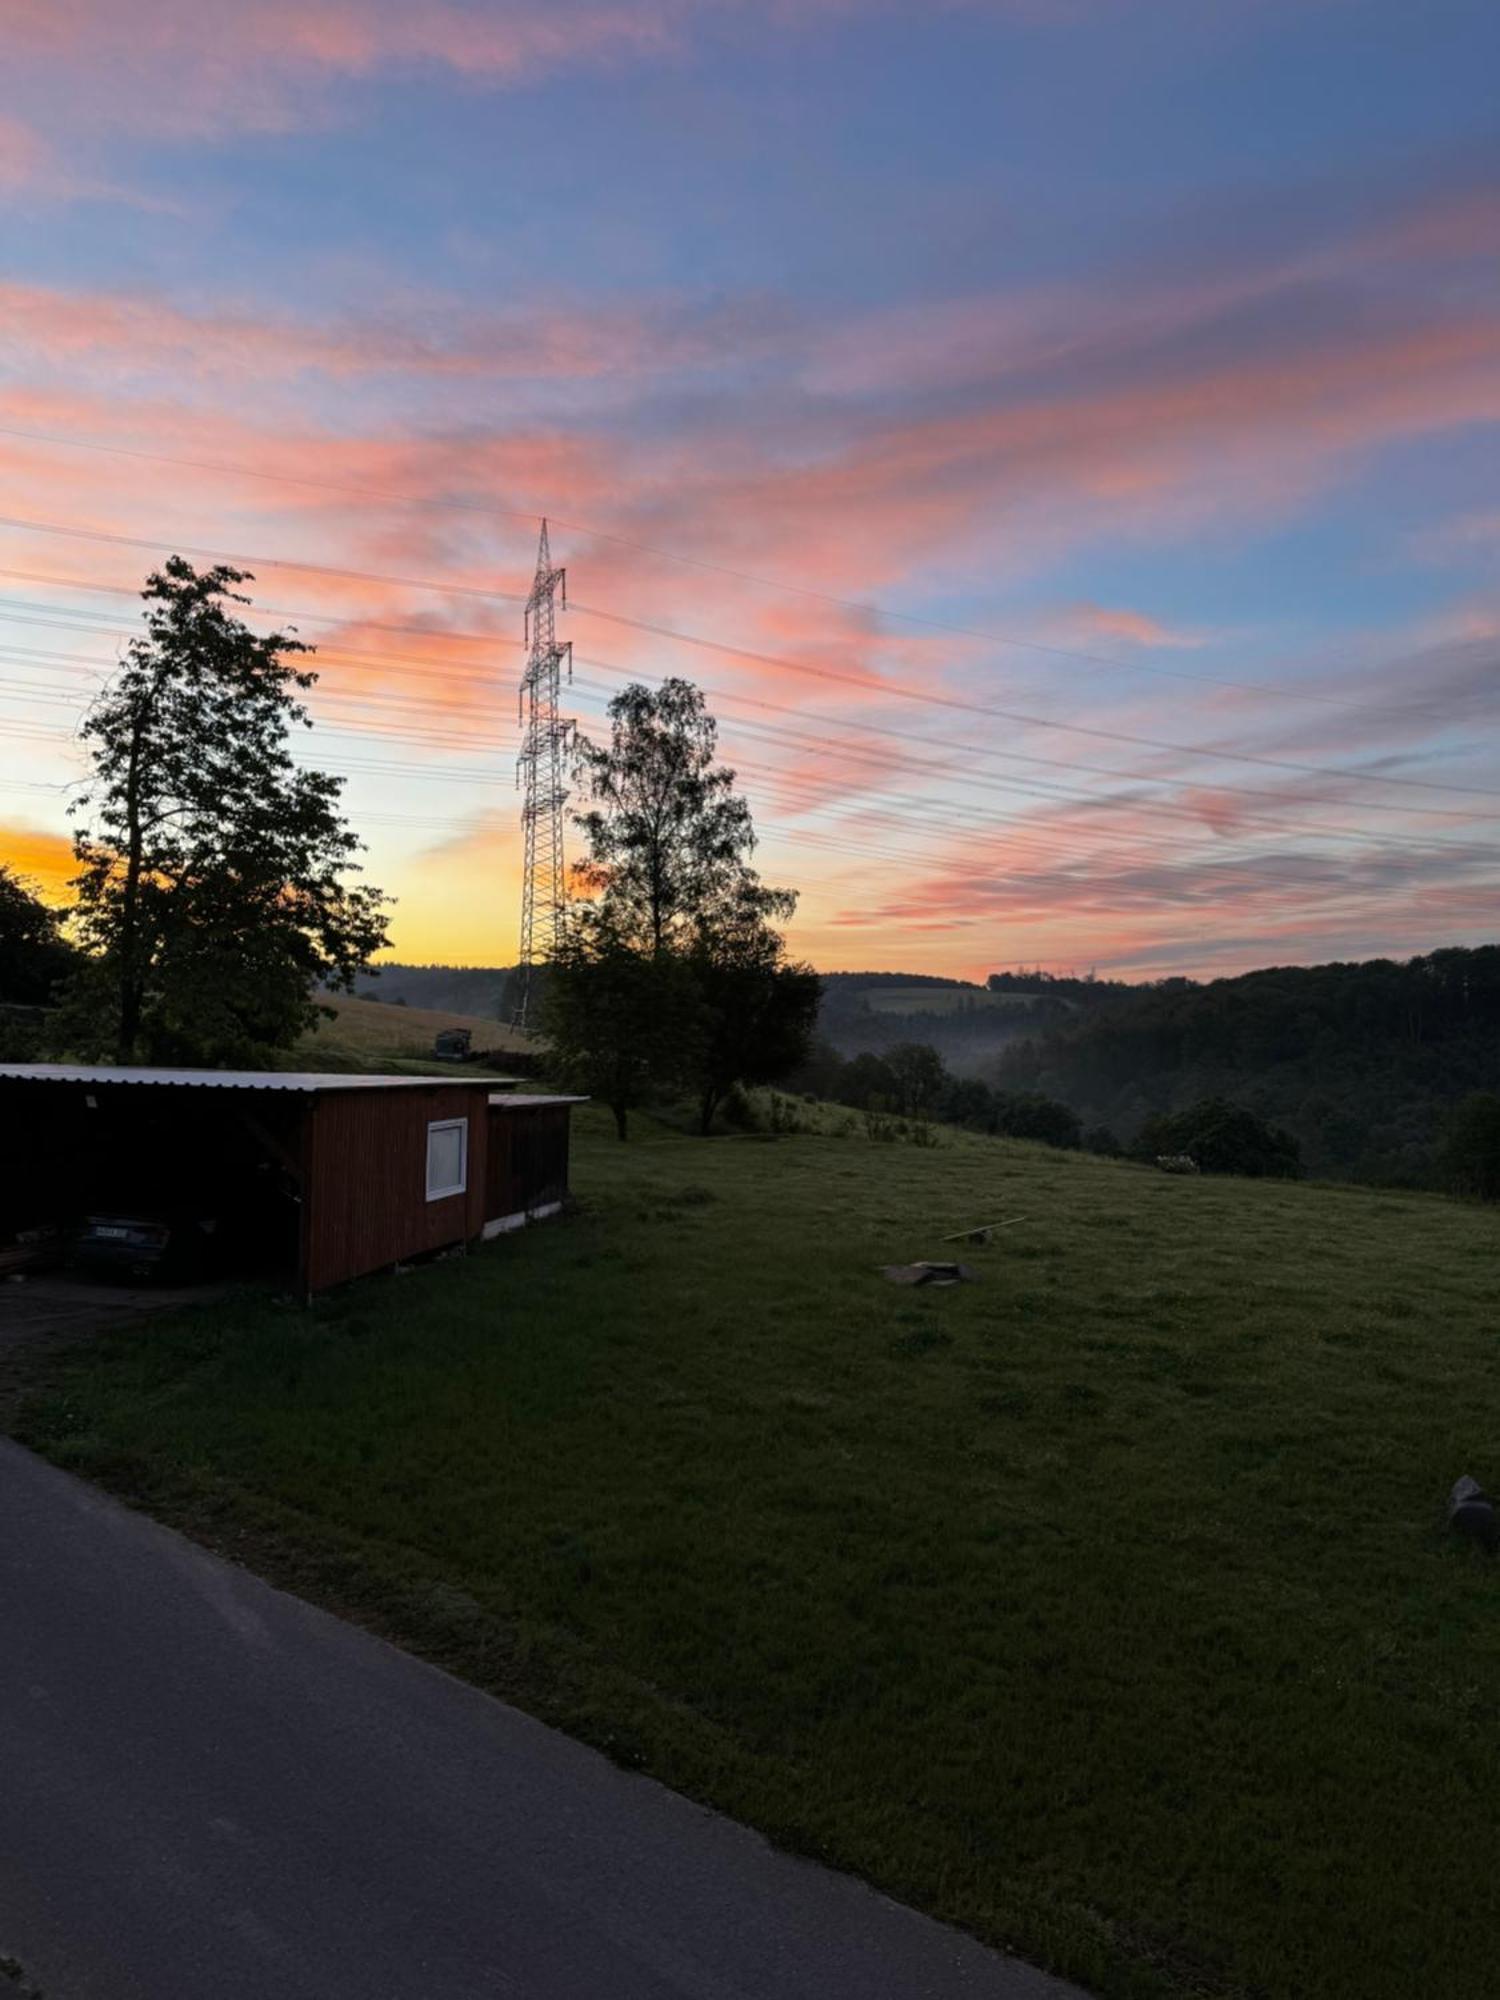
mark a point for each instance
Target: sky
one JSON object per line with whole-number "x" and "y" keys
{"x": 1062, "y": 437}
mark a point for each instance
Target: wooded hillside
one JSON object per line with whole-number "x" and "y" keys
{"x": 1363, "y": 1063}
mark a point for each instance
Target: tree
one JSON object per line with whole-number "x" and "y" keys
{"x": 33, "y": 956}
{"x": 820, "y": 1072}
{"x": 1027, "y": 1114}
{"x": 621, "y": 1024}
{"x": 1222, "y": 1138}
{"x": 668, "y": 840}
{"x": 671, "y": 887}
{"x": 967, "y": 1101}
{"x": 867, "y": 1083}
{"x": 918, "y": 1075}
{"x": 1471, "y": 1159}
{"x": 212, "y": 896}
{"x": 756, "y": 1011}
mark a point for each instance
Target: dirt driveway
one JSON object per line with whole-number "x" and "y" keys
{"x": 48, "y": 1311}
{"x": 49, "y": 1306}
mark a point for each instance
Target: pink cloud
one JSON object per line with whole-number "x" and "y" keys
{"x": 193, "y": 68}
{"x": 23, "y": 158}
{"x": 112, "y": 332}
{"x": 1137, "y": 628}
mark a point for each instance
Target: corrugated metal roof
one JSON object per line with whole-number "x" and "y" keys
{"x": 512, "y": 1099}
{"x": 227, "y": 1079}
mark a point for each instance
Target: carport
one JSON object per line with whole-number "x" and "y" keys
{"x": 313, "y": 1178}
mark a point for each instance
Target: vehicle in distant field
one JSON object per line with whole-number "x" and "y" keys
{"x": 454, "y": 1044}
{"x": 171, "y": 1248}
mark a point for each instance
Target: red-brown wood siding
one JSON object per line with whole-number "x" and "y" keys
{"x": 365, "y": 1194}
{"x": 528, "y": 1158}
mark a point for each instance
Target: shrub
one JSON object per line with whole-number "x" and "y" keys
{"x": 1223, "y": 1138}
{"x": 738, "y": 1108}
{"x": 1027, "y": 1114}
{"x": 1471, "y": 1159}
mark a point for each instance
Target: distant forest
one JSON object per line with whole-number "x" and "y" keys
{"x": 866, "y": 1013}
{"x": 1364, "y": 1064}
{"x": 451, "y": 989}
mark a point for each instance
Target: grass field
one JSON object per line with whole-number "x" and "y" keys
{"x": 368, "y": 1033}
{"x": 1102, "y": 1605}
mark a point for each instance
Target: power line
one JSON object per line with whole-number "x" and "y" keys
{"x": 1092, "y": 801}
{"x": 867, "y": 685}
{"x": 427, "y": 671}
{"x": 1089, "y": 799}
{"x": 819, "y": 673}
{"x": 873, "y": 686}
{"x": 171, "y": 543}
{"x": 535, "y": 514}
{"x": 1246, "y": 872}
{"x": 939, "y": 819}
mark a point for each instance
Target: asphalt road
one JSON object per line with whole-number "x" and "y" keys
{"x": 212, "y": 1791}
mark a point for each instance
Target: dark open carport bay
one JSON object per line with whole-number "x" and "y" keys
{"x": 213, "y": 1791}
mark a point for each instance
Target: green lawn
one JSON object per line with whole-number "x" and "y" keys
{"x": 1102, "y": 1605}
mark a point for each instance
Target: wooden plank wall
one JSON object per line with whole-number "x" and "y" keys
{"x": 528, "y": 1158}
{"x": 365, "y": 1203}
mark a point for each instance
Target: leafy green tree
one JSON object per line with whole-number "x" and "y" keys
{"x": 1223, "y": 1138}
{"x": 756, "y": 1011}
{"x": 867, "y": 1083}
{"x": 1027, "y": 1114}
{"x": 33, "y": 957}
{"x": 820, "y": 1072}
{"x": 668, "y": 839}
{"x": 622, "y": 1025}
{"x": 1471, "y": 1159}
{"x": 918, "y": 1074}
{"x": 213, "y": 896}
{"x": 967, "y": 1101}
{"x": 671, "y": 886}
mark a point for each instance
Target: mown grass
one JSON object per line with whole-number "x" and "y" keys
{"x": 368, "y": 1034}
{"x": 1102, "y": 1605}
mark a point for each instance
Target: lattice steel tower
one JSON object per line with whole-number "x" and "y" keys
{"x": 540, "y": 771}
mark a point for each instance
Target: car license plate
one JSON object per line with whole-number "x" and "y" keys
{"x": 105, "y": 1230}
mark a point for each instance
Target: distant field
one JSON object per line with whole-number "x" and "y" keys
{"x": 368, "y": 1028}
{"x": 941, "y": 1000}
{"x": 1102, "y": 1605}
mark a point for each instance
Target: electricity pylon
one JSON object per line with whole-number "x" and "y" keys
{"x": 545, "y": 736}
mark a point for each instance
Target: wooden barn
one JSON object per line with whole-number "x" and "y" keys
{"x": 312, "y": 1178}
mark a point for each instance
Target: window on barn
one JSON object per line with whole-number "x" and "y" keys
{"x": 447, "y": 1157}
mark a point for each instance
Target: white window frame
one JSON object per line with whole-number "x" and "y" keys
{"x": 461, "y": 1126}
